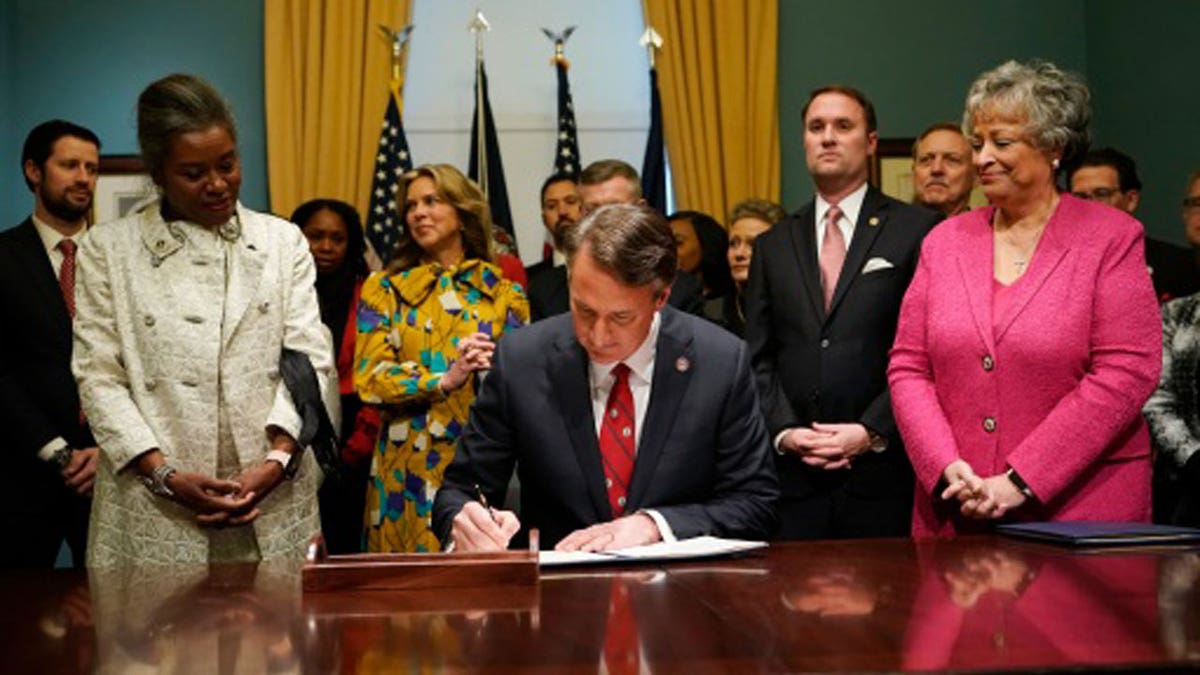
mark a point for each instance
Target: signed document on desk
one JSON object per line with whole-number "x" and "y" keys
{"x": 684, "y": 549}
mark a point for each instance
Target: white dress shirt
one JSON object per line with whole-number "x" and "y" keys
{"x": 641, "y": 376}
{"x": 851, "y": 206}
{"x": 50, "y": 239}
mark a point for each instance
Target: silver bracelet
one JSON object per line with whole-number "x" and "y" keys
{"x": 156, "y": 482}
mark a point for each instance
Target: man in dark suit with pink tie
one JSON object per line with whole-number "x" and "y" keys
{"x": 822, "y": 301}
{"x": 50, "y": 455}
{"x": 628, "y": 421}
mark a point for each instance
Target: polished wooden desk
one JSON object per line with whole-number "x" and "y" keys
{"x": 880, "y": 605}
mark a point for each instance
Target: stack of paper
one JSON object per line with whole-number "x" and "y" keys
{"x": 683, "y": 549}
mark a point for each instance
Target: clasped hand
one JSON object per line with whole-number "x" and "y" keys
{"x": 827, "y": 446}
{"x": 225, "y": 503}
{"x": 477, "y": 528}
{"x": 474, "y": 353}
{"x": 980, "y": 498}
{"x": 80, "y": 473}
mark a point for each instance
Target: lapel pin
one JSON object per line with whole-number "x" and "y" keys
{"x": 874, "y": 221}
{"x": 682, "y": 364}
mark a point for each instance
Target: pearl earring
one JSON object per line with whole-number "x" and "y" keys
{"x": 1054, "y": 164}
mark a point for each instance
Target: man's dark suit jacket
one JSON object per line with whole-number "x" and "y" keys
{"x": 38, "y": 401}
{"x": 703, "y": 460}
{"x": 813, "y": 367}
{"x": 1172, "y": 269}
{"x": 549, "y": 294}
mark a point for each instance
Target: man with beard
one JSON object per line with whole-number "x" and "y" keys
{"x": 561, "y": 208}
{"x": 50, "y": 454}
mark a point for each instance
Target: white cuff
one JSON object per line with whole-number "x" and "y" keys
{"x": 46, "y": 454}
{"x": 664, "y": 529}
{"x": 779, "y": 441}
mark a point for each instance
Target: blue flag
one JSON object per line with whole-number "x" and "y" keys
{"x": 491, "y": 178}
{"x": 654, "y": 165}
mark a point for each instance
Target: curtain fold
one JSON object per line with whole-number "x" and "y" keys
{"x": 720, "y": 95}
{"x": 327, "y": 70}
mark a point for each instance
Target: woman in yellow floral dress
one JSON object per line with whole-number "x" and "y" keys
{"x": 426, "y": 327}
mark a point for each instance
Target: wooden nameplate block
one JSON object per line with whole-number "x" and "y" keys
{"x": 417, "y": 571}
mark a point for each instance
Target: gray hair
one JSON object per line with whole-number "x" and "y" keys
{"x": 634, "y": 243}
{"x": 1054, "y": 103}
{"x": 177, "y": 104}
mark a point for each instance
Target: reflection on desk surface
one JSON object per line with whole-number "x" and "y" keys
{"x": 878, "y": 605}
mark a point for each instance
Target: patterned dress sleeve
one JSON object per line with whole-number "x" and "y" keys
{"x": 385, "y": 372}
{"x": 516, "y": 306}
{"x": 1173, "y": 408}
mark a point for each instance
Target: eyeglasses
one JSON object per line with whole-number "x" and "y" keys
{"x": 1191, "y": 203}
{"x": 1097, "y": 195}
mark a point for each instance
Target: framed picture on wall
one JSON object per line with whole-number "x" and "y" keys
{"x": 122, "y": 186}
{"x": 891, "y": 171}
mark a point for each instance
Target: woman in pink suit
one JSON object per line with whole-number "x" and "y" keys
{"x": 1030, "y": 337}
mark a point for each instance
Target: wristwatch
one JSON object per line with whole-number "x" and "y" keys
{"x": 62, "y": 456}
{"x": 877, "y": 443}
{"x": 1016, "y": 480}
{"x": 287, "y": 460}
{"x": 156, "y": 482}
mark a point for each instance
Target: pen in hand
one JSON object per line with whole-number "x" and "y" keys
{"x": 484, "y": 502}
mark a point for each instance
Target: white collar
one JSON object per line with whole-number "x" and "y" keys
{"x": 851, "y": 206}
{"x": 51, "y": 237}
{"x": 640, "y": 362}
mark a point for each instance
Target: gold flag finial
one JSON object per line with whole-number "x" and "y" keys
{"x": 559, "y": 39}
{"x": 398, "y": 39}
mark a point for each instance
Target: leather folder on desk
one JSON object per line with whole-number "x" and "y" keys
{"x": 1093, "y": 533}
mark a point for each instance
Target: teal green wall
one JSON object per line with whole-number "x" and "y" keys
{"x": 86, "y": 61}
{"x": 10, "y": 153}
{"x": 1142, "y": 60}
{"x": 914, "y": 60}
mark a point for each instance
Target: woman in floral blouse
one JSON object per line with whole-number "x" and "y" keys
{"x": 426, "y": 327}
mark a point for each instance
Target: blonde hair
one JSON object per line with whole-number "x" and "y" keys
{"x": 467, "y": 199}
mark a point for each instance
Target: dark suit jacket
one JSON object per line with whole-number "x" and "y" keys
{"x": 817, "y": 368}
{"x": 704, "y": 460}
{"x": 1172, "y": 269}
{"x": 549, "y": 294}
{"x": 38, "y": 397}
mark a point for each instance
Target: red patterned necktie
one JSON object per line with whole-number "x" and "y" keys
{"x": 66, "y": 274}
{"x": 833, "y": 253}
{"x": 617, "y": 434}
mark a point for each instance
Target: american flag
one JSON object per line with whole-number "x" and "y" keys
{"x": 566, "y": 154}
{"x": 384, "y": 222}
{"x": 566, "y": 151}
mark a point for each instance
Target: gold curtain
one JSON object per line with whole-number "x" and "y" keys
{"x": 327, "y": 70}
{"x": 720, "y": 99}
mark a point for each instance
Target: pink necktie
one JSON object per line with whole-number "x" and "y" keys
{"x": 616, "y": 440}
{"x": 66, "y": 275}
{"x": 833, "y": 253}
